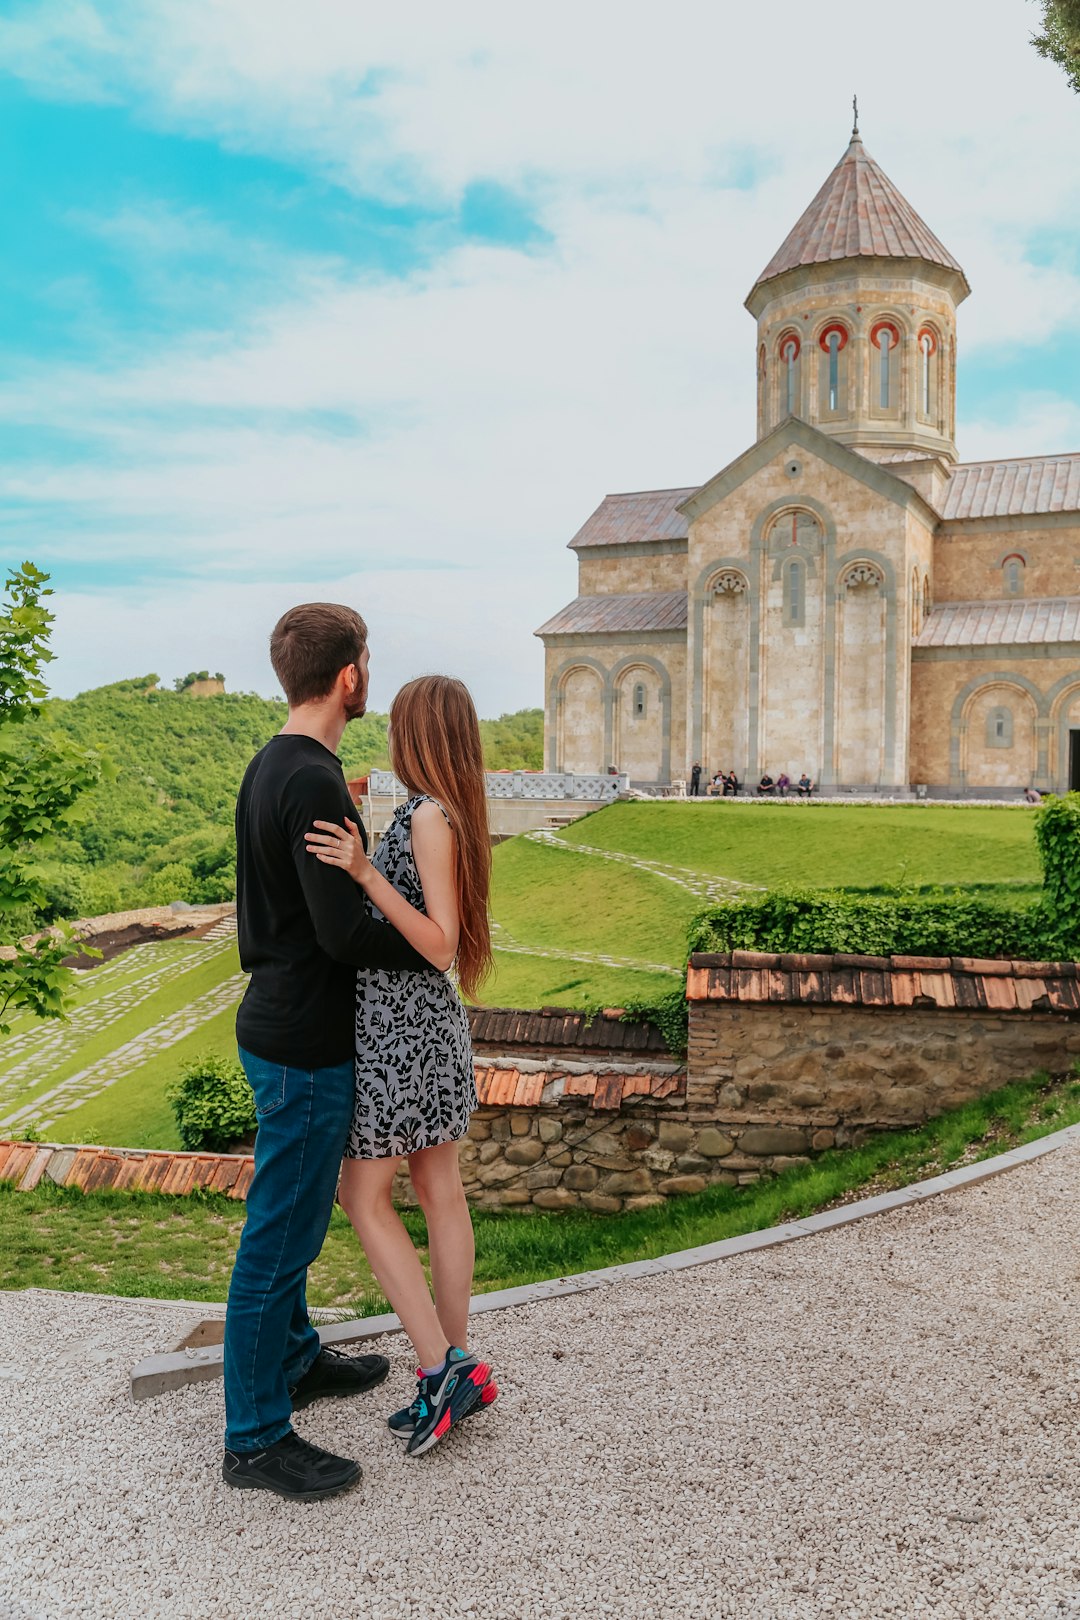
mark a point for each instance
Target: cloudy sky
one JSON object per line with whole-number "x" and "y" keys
{"x": 374, "y": 303}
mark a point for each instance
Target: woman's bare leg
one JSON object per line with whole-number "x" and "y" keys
{"x": 437, "y": 1182}
{"x": 365, "y": 1198}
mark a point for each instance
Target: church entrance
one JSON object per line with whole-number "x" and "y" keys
{"x": 1074, "y": 761}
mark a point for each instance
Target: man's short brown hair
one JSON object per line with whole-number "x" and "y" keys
{"x": 311, "y": 645}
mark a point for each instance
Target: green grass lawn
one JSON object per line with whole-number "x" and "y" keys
{"x": 182, "y": 1248}
{"x": 823, "y": 845}
{"x": 552, "y": 898}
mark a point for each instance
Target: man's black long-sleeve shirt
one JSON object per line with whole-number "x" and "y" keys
{"x": 304, "y": 927}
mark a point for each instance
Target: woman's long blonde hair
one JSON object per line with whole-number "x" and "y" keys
{"x": 435, "y": 748}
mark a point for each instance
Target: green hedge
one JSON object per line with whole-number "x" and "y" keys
{"x": 900, "y": 924}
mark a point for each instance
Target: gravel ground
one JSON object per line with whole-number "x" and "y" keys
{"x": 880, "y": 1421}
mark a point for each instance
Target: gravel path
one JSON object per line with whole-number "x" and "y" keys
{"x": 878, "y": 1422}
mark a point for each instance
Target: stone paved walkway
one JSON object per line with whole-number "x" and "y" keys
{"x": 878, "y": 1423}
{"x": 40, "y": 1050}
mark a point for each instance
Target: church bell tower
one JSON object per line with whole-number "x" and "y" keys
{"x": 856, "y": 316}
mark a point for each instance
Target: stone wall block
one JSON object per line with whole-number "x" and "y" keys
{"x": 658, "y": 1159}
{"x": 563, "y": 1158}
{"x": 765, "y": 1139}
{"x": 554, "y": 1198}
{"x": 601, "y": 1203}
{"x": 550, "y": 1130}
{"x": 490, "y": 1151}
{"x": 542, "y": 1176}
{"x": 500, "y": 1129}
{"x": 525, "y": 1150}
{"x": 581, "y": 1177}
{"x": 627, "y": 1182}
{"x": 479, "y": 1129}
{"x": 520, "y": 1124}
{"x": 677, "y": 1138}
{"x": 643, "y": 1201}
{"x": 713, "y": 1144}
{"x": 675, "y": 1186}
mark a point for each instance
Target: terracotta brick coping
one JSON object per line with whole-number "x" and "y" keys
{"x": 27, "y": 1164}
{"x": 562, "y": 1026}
{"x": 964, "y": 982}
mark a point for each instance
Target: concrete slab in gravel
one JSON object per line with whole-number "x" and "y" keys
{"x": 880, "y": 1424}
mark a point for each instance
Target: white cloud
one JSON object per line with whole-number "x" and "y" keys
{"x": 498, "y": 393}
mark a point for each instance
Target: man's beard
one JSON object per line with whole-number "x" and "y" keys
{"x": 356, "y": 704}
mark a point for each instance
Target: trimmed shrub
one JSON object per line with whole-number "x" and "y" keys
{"x": 898, "y": 924}
{"x": 1057, "y": 833}
{"x": 212, "y": 1103}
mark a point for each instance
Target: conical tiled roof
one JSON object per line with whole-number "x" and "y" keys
{"x": 858, "y": 212}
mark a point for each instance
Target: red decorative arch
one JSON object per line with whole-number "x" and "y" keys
{"x": 834, "y": 326}
{"x": 884, "y": 326}
{"x": 785, "y": 339}
{"x": 928, "y": 332}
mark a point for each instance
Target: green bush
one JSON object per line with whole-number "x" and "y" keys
{"x": 212, "y": 1103}
{"x": 1057, "y": 833}
{"x": 898, "y": 924}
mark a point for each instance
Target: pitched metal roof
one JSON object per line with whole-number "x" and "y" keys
{"x": 646, "y": 514}
{"x": 858, "y": 212}
{"x": 1026, "y": 484}
{"x": 608, "y": 614}
{"x": 1002, "y": 624}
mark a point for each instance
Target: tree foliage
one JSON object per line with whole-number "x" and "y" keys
{"x": 41, "y": 777}
{"x": 1059, "y": 40}
{"x": 161, "y": 828}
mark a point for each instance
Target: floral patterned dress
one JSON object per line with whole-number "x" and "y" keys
{"x": 415, "y": 1085}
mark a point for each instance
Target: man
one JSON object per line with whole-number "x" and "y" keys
{"x": 695, "y": 781}
{"x": 805, "y": 786}
{"x": 304, "y": 931}
{"x": 766, "y": 785}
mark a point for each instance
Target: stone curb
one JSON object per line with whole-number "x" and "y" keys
{"x": 157, "y": 1374}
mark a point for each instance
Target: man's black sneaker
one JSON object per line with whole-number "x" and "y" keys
{"x": 291, "y": 1467}
{"x": 444, "y": 1398}
{"x": 331, "y": 1373}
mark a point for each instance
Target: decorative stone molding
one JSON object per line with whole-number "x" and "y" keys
{"x": 729, "y": 583}
{"x": 863, "y": 575}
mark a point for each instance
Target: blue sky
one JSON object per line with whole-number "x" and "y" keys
{"x": 304, "y": 302}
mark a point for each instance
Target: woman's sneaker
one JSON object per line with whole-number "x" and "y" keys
{"x": 402, "y": 1422}
{"x": 445, "y": 1397}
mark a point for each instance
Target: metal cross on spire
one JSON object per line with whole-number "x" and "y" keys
{"x": 855, "y": 110}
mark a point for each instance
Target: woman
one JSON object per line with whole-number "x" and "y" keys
{"x": 415, "y": 1086}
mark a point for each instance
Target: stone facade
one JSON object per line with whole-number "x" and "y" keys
{"x": 828, "y": 576}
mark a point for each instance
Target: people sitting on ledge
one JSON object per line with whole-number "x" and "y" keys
{"x": 766, "y": 785}
{"x": 783, "y": 782}
{"x": 804, "y": 786}
{"x": 731, "y": 785}
{"x": 716, "y": 783}
{"x": 1032, "y": 795}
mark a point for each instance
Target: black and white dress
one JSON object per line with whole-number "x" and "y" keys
{"x": 415, "y": 1085}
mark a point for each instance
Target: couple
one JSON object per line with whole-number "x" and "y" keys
{"x": 357, "y": 1049}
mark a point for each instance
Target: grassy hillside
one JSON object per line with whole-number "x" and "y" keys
{"x": 596, "y": 914}
{"x": 160, "y": 827}
{"x": 824, "y": 845}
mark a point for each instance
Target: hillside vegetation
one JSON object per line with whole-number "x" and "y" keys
{"x": 159, "y": 828}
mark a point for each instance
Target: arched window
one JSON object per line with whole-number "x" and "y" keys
{"x": 926, "y": 604}
{"x": 916, "y": 605}
{"x": 795, "y": 592}
{"x": 833, "y": 342}
{"x": 790, "y": 348}
{"x": 928, "y": 349}
{"x": 999, "y": 728}
{"x": 1013, "y": 570}
{"x": 885, "y": 338}
{"x": 639, "y": 699}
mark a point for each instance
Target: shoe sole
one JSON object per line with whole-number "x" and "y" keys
{"x": 488, "y": 1396}
{"x": 341, "y": 1394}
{"x": 242, "y": 1484}
{"x": 470, "y": 1392}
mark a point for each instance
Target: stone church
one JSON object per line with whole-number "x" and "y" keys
{"x": 846, "y": 597}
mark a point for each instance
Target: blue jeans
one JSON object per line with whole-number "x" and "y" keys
{"x": 304, "y": 1117}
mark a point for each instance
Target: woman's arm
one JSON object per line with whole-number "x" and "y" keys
{"x": 435, "y": 935}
